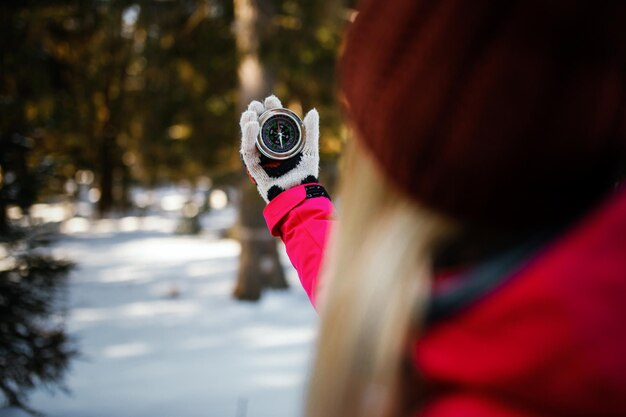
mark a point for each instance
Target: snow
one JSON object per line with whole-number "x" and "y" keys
{"x": 160, "y": 334}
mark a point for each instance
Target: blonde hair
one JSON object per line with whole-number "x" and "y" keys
{"x": 376, "y": 280}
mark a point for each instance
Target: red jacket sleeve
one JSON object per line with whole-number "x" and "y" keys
{"x": 303, "y": 225}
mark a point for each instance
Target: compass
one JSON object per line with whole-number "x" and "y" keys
{"x": 281, "y": 134}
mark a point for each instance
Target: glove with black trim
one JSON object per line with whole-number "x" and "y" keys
{"x": 270, "y": 176}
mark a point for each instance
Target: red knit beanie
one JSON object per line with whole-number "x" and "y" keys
{"x": 502, "y": 113}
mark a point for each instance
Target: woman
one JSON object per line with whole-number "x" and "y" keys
{"x": 478, "y": 267}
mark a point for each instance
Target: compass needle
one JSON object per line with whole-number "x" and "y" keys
{"x": 280, "y": 135}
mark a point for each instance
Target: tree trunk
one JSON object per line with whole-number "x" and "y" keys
{"x": 4, "y": 224}
{"x": 111, "y": 174}
{"x": 259, "y": 264}
{"x": 105, "y": 204}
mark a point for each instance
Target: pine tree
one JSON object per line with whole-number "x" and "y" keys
{"x": 34, "y": 348}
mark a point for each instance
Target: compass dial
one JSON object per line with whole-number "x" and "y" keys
{"x": 280, "y": 136}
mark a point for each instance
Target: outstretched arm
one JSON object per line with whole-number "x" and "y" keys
{"x": 299, "y": 210}
{"x": 302, "y": 217}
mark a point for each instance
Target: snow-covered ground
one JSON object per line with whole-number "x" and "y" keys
{"x": 160, "y": 334}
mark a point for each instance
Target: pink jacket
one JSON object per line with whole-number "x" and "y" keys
{"x": 303, "y": 225}
{"x": 550, "y": 341}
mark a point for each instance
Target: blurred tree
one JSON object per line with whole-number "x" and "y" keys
{"x": 259, "y": 265}
{"x": 288, "y": 48}
{"x": 17, "y": 183}
{"x": 299, "y": 47}
{"x": 133, "y": 91}
{"x": 34, "y": 348}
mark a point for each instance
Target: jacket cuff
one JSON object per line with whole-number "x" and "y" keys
{"x": 286, "y": 201}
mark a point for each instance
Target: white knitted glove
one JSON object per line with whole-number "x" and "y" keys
{"x": 273, "y": 177}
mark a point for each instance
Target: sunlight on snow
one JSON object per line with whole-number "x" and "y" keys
{"x": 80, "y": 225}
{"x": 126, "y": 274}
{"x": 202, "y": 269}
{"x": 125, "y": 350}
{"x": 152, "y": 250}
{"x": 278, "y": 380}
{"x": 139, "y": 310}
{"x": 281, "y": 336}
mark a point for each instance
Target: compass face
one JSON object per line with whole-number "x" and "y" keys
{"x": 280, "y": 135}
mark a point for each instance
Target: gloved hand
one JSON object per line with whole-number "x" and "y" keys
{"x": 273, "y": 177}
